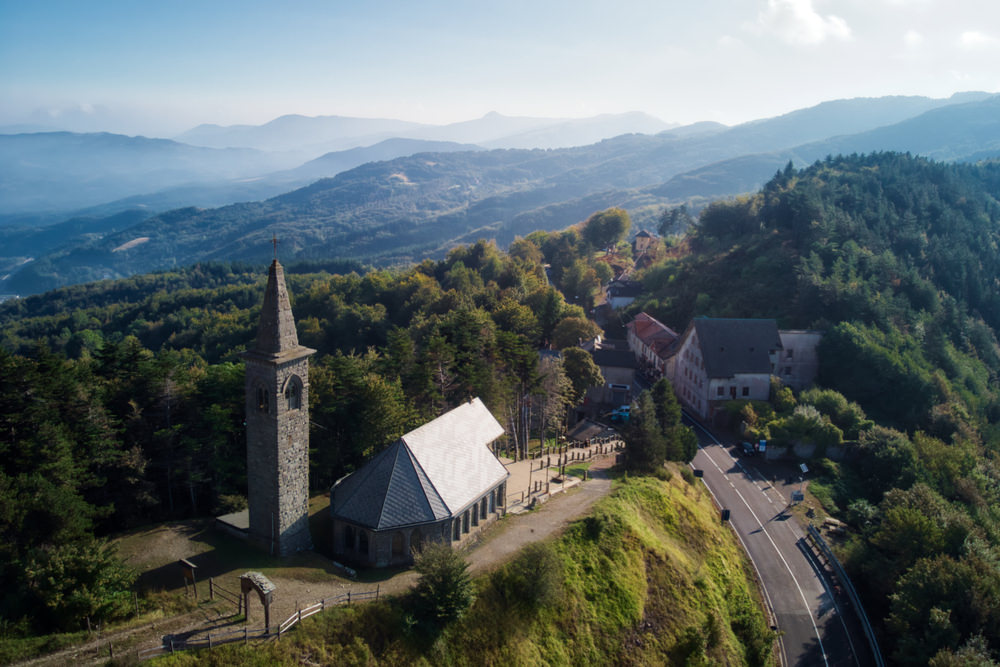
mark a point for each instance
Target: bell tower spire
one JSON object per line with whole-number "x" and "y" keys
{"x": 277, "y": 410}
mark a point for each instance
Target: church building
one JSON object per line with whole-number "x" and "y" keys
{"x": 277, "y": 425}
{"x": 439, "y": 482}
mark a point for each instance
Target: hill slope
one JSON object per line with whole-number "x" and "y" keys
{"x": 415, "y": 207}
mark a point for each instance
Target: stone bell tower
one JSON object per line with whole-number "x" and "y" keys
{"x": 277, "y": 409}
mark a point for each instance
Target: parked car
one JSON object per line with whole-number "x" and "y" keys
{"x": 621, "y": 414}
{"x": 747, "y": 449}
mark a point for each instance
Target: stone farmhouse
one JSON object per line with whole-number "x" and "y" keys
{"x": 438, "y": 482}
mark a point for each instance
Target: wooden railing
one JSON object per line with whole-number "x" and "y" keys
{"x": 245, "y": 634}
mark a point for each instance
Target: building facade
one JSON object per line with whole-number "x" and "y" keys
{"x": 654, "y": 345}
{"x": 798, "y": 363}
{"x": 721, "y": 359}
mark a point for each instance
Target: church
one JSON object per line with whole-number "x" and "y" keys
{"x": 438, "y": 482}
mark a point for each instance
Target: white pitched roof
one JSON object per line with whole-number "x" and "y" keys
{"x": 454, "y": 451}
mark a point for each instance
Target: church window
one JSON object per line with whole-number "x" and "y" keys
{"x": 263, "y": 400}
{"x": 293, "y": 393}
{"x": 363, "y": 542}
{"x": 348, "y": 538}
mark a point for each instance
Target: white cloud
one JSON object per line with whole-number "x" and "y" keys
{"x": 973, "y": 40}
{"x": 912, "y": 39}
{"x": 798, "y": 22}
{"x": 729, "y": 42}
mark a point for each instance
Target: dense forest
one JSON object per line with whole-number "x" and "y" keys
{"x": 897, "y": 259}
{"x": 122, "y": 401}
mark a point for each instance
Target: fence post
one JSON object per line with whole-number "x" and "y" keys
{"x": 111, "y": 650}
{"x": 348, "y": 596}
{"x": 171, "y": 644}
{"x": 377, "y": 587}
{"x": 244, "y": 635}
{"x": 135, "y": 599}
{"x": 209, "y": 640}
{"x": 211, "y": 588}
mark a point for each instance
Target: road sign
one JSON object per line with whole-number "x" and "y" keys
{"x": 804, "y": 468}
{"x": 798, "y": 496}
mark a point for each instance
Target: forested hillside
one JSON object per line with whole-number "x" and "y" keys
{"x": 411, "y": 208}
{"x": 122, "y": 402}
{"x": 897, "y": 258}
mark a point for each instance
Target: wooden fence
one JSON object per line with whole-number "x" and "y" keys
{"x": 560, "y": 457}
{"x": 245, "y": 634}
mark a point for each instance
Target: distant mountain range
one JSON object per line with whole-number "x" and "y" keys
{"x": 313, "y": 136}
{"x": 405, "y": 199}
{"x": 57, "y": 174}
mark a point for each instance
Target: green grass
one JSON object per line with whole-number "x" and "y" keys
{"x": 649, "y": 577}
{"x": 24, "y": 648}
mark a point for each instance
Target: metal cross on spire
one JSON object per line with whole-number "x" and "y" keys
{"x": 274, "y": 242}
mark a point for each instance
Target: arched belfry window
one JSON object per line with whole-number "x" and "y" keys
{"x": 263, "y": 399}
{"x": 293, "y": 393}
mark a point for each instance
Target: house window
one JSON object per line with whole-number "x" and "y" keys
{"x": 457, "y": 534}
{"x": 465, "y": 521}
{"x": 720, "y": 391}
{"x": 732, "y": 391}
{"x": 789, "y": 353}
{"x": 482, "y": 508}
{"x": 746, "y": 391}
{"x": 788, "y": 370}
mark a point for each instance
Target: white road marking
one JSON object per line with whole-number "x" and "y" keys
{"x": 784, "y": 562}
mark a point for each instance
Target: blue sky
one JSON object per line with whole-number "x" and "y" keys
{"x": 161, "y": 67}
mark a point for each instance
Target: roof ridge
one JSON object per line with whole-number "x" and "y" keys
{"x": 421, "y": 476}
{"x": 388, "y": 484}
{"x": 424, "y": 475}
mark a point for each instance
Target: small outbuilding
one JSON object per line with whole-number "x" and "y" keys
{"x": 439, "y": 482}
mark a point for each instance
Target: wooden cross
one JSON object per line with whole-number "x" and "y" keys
{"x": 274, "y": 242}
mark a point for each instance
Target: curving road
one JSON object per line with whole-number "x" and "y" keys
{"x": 814, "y": 631}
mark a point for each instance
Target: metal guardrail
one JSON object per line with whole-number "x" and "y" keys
{"x": 851, "y": 592}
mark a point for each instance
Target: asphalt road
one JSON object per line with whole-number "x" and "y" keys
{"x": 809, "y": 616}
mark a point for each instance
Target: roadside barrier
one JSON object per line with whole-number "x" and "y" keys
{"x": 841, "y": 575}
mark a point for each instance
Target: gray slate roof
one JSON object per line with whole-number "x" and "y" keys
{"x": 431, "y": 473}
{"x": 731, "y": 346}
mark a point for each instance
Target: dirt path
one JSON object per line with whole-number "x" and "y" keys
{"x": 498, "y": 543}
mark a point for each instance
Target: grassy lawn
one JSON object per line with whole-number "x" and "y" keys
{"x": 154, "y": 552}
